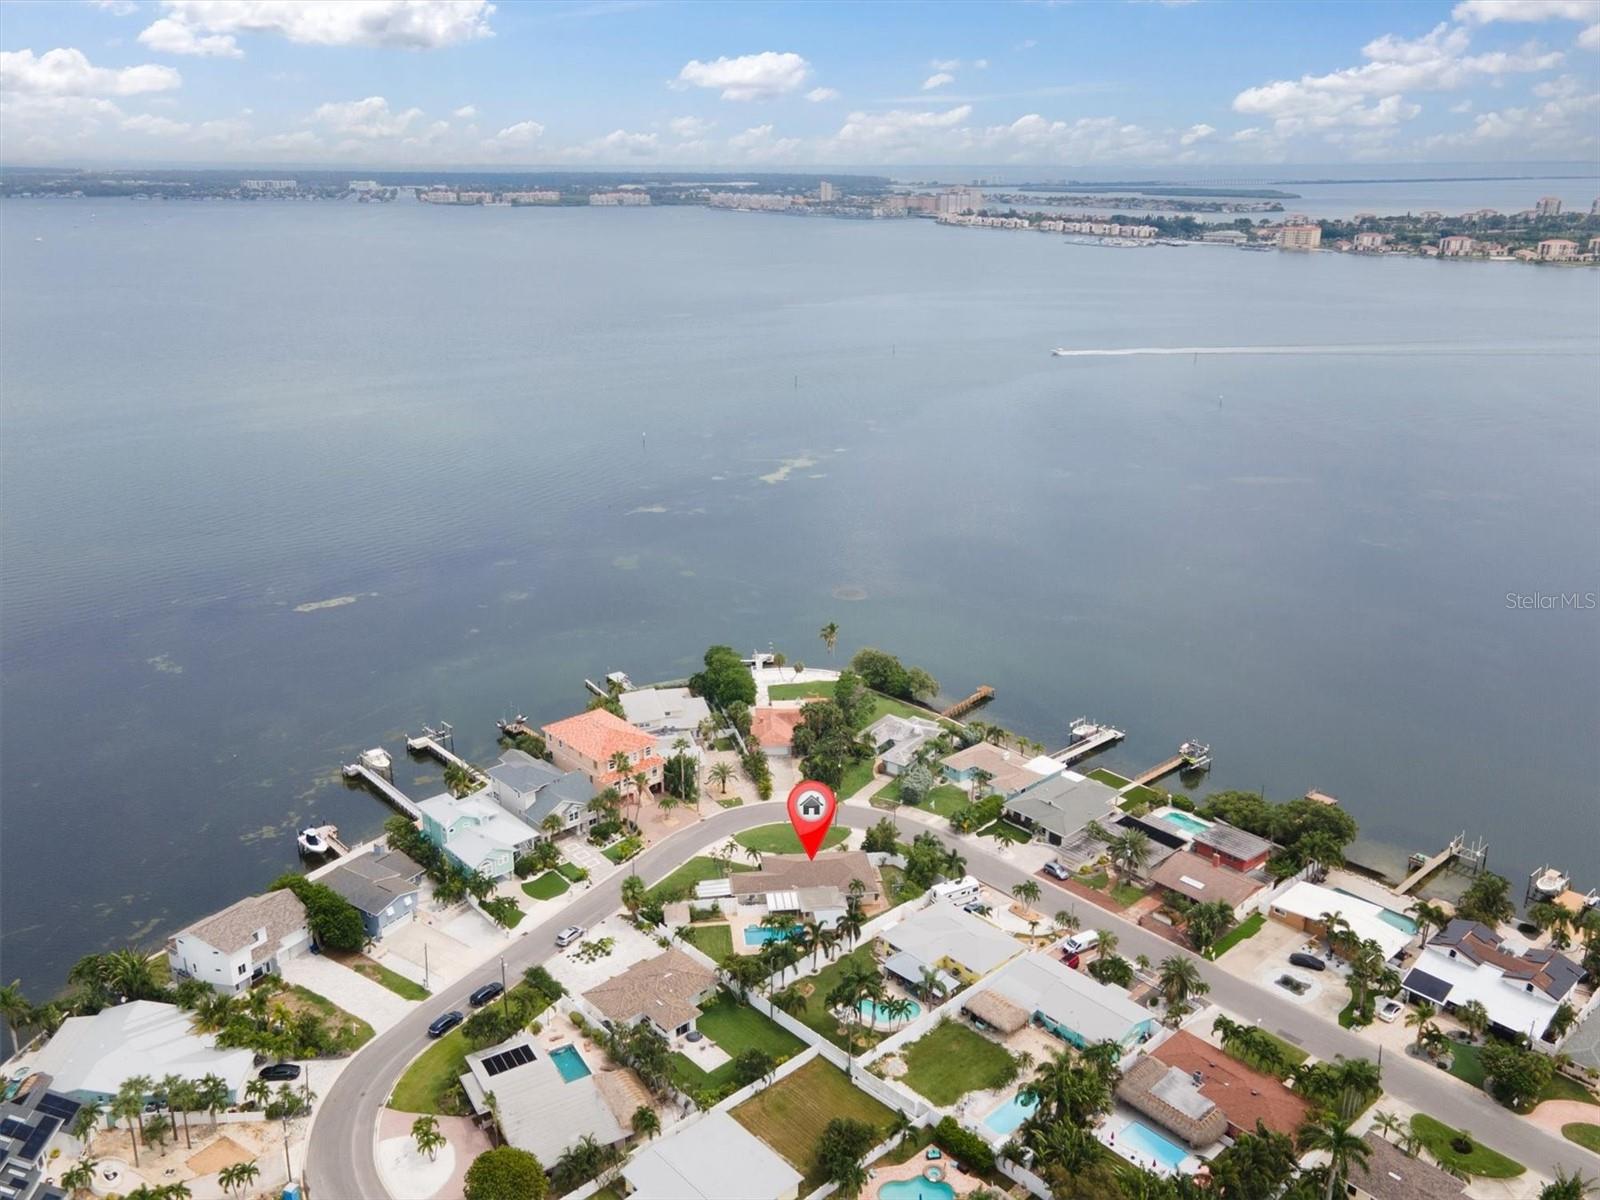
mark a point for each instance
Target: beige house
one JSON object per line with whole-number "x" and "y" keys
{"x": 1392, "y": 1174}
{"x": 666, "y": 990}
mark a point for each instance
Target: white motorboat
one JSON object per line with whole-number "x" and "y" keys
{"x": 311, "y": 841}
{"x": 1550, "y": 883}
{"x": 1061, "y": 352}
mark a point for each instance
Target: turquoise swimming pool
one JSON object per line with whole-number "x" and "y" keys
{"x": 916, "y": 1189}
{"x": 1008, "y": 1118}
{"x": 569, "y": 1062}
{"x": 874, "y": 1011}
{"x": 1387, "y": 915}
{"x": 1179, "y": 819}
{"x": 760, "y": 935}
{"x": 1147, "y": 1146}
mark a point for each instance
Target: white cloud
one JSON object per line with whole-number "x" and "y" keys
{"x": 523, "y": 133}
{"x": 1027, "y": 43}
{"x": 154, "y": 125}
{"x": 1481, "y": 12}
{"x": 68, "y": 72}
{"x": 465, "y": 113}
{"x": 1461, "y": 106}
{"x": 1196, "y": 133}
{"x": 167, "y": 36}
{"x": 937, "y": 81}
{"x": 117, "y": 8}
{"x": 689, "y": 127}
{"x": 300, "y": 142}
{"x": 945, "y": 64}
{"x": 1567, "y": 123}
{"x": 748, "y": 77}
{"x": 1589, "y": 39}
{"x": 761, "y": 144}
{"x": 868, "y": 137}
{"x": 369, "y": 118}
{"x": 405, "y": 24}
{"x": 820, "y": 94}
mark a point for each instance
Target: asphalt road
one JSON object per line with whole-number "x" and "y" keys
{"x": 340, "y": 1162}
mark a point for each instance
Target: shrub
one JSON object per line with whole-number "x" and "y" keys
{"x": 754, "y": 761}
{"x": 964, "y": 1145}
{"x": 1461, "y": 1144}
{"x": 506, "y": 1173}
{"x": 333, "y": 920}
{"x": 1181, "y": 802}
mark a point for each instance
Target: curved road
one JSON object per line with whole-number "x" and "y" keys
{"x": 341, "y": 1165}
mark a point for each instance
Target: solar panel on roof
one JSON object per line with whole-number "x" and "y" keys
{"x": 13, "y": 1128}
{"x": 517, "y": 1056}
{"x": 59, "y": 1106}
{"x": 34, "y": 1146}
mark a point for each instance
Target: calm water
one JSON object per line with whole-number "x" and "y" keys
{"x": 539, "y": 445}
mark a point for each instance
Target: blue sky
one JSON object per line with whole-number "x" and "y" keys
{"x": 442, "y": 82}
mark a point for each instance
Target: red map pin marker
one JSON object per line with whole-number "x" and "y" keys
{"x": 811, "y": 809}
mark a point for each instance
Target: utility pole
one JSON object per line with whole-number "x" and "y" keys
{"x": 505, "y": 998}
{"x": 425, "y": 986}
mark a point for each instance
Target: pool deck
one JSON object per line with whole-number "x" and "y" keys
{"x": 960, "y": 1180}
{"x": 1120, "y": 1121}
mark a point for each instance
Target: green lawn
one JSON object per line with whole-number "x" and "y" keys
{"x": 1466, "y": 1064}
{"x": 1562, "y": 1088}
{"x": 816, "y": 1014}
{"x": 350, "y": 1030}
{"x": 946, "y": 799}
{"x": 547, "y": 887}
{"x": 714, "y": 941}
{"x": 1481, "y": 1161}
{"x": 735, "y": 1027}
{"x": 1586, "y": 1135}
{"x": 1246, "y": 928}
{"x": 896, "y": 891}
{"x": 790, "y": 1115}
{"x": 680, "y": 884}
{"x": 1109, "y": 778}
{"x": 1098, "y": 880}
{"x": 1126, "y": 894}
{"x": 730, "y": 801}
{"x": 622, "y": 851}
{"x": 881, "y": 705}
{"x": 856, "y": 776}
{"x": 405, "y": 988}
{"x": 1005, "y": 829}
{"x": 1140, "y": 795}
{"x": 429, "y": 1080}
{"x": 781, "y": 839}
{"x": 572, "y": 872}
{"x": 952, "y": 1060}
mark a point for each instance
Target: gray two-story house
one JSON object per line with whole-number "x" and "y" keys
{"x": 383, "y": 885}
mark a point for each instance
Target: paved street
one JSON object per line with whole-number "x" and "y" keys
{"x": 340, "y": 1162}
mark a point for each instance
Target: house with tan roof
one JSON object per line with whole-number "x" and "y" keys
{"x": 233, "y": 948}
{"x": 1391, "y": 1174}
{"x": 827, "y": 877}
{"x": 666, "y": 990}
{"x": 1244, "y": 1094}
{"x": 1172, "y": 1099}
{"x": 773, "y": 729}
{"x": 1007, "y": 772}
{"x": 591, "y": 740}
{"x": 1201, "y": 879}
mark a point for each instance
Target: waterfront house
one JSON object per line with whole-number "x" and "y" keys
{"x": 533, "y": 791}
{"x": 896, "y": 740}
{"x": 819, "y": 886}
{"x": 773, "y": 729}
{"x": 1073, "y": 1006}
{"x": 88, "y": 1058}
{"x": 665, "y": 712}
{"x": 590, "y": 741}
{"x": 1201, "y": 879}
{"x": 712, "y": 1158}
{"x": 1520, "y": 989}
{"x": 29, "y": 1120}
{"x": 545, "y": 1100}
{"x": 1244, "y": 1094}
{"x": 666, "y": 990}
{"x": 231, "y": 949}
{"x": 1557, "y": 250}
{"x": 1389, "y": 1173}
{"x": 383, "y": 885}
{"x": 1172, "y": 1098}
{"x": 1225, "y": 845}
{"x": 1060, "y": 805}
{"x": 1008, "y": 772}
{"x": 959, "y": 945}
{"x": 476, "y": 832}
{"x": 1305, "y": 905}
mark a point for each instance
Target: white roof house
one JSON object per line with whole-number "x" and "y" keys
{"x": 476, "y": 832}
{"x": 897, "y": 739}
{"x": 943, "y": 931}
{"x": 663, "y": 711}
{"x": 1309, "y": 902}
{"x": 1070, "y": 1004}
{"x": 89, "y": 1057}
{"x": 714, "y": 1158}
{"x": 1519, "y": 988}
{"x": 540, "y": 1110}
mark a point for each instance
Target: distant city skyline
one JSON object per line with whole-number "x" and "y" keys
{"x": 766, "y": 86}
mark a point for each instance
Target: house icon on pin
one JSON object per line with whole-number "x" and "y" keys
{"x": 811, "y": 806}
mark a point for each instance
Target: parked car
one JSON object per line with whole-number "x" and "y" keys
{"x": 569, "y": 935}
{"x": 443, "y": 1025}
{"x": 1057, "y": 869}
{"x": 280, "y": 1072}
{"x": 1081, "y": 942}
{"x": 977, "y": 908}
{"x": 485, "y": 994}
{"x": 1390, "y": 1010}
{"x": 1309, "y": 961}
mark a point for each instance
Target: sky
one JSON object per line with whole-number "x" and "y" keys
{"x": 640, "y": 84}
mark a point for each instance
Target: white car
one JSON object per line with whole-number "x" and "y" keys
{"x": 1390, "y": 1010}
{"x": 569, "y": 935}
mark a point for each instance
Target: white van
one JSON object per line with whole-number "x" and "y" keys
{"x": 1082, "y": 941}
{"x": 959, "y": 891}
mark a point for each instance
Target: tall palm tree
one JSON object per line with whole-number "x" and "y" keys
{"x": 211, "y": 1094}
{"x": 1065, "y": 921}
{"x": 183, "y": 1096}
{"x": 239, "y": 1176}
{"x": 1180, "y": 979}
{"x": 1129, "y": 853}
{"x": 1474, "y": 1017}
{"x": 131, "y": 975}
{"x": 128, "y": 1105}
{"x": 425, "y": 1133}
{"x": 1343, "y": 1148}
{"x": 721, "y": 773}
{"x": 1428, "y": 916}
{"x": 954, "y": 866}
{"x": 258, "y": 1092}
{"x": 933, "y": 988}
{"x": 849, "y": 925}
{"x": 829, "y": 634}
{"x": 16, "y": 1010}
{"x": 87, "y": 1121}
{"x": 1388, "y": 1124}
{"x": 1420, "y": 1018}
{"x": 79, "y": 1177}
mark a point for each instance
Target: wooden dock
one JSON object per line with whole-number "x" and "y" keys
{"x": 518, "y": 727}
{"x": 427, "y": 744}
{"x": 1102, "y": 737}
{"x": 1475, "y": 856}
{"x": 384, "y": 788}
{"x": 1156, "y": 772}
{"x": 960, "y": 709}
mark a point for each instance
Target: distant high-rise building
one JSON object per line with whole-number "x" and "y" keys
{"x": 1594, "y": 208}
{"x": 1548, "y": 206}
{"x": 826, "y": 192}
{"x": 1300, "y": 237}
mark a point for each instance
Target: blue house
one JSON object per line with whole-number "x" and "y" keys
{"x": 383, "y": 886}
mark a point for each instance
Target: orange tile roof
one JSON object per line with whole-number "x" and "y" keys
{"x": 774, "y": 726}
{"x": 599, "y": 734}
{"x": 1244, "y": 1094}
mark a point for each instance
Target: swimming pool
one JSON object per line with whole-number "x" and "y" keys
{"x": 1006, "y": 1119}
{"x": 1387, "y": 915}
{"x": 1182, "y": 820}
{"x": 916, "y": 1189}
{"x": 569, "y": 1062}
{"x": 1146, "y": 1144}
{"x": 760, "y": 935}
{"x": 874, "y": 1011}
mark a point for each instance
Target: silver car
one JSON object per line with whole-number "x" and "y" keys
{"x": 569, "y": 935}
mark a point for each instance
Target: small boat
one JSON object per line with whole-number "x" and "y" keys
{"x": 1550, "y": 883}
{"x": 1061, "y": 352}
{"x": 1196, "y": 756}
{"x": 311, "y": 841}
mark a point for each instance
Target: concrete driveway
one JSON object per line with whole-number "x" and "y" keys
{"x": 356, "y": 994}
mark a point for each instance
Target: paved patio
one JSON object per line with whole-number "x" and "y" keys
{"x": 411, "y": 1176}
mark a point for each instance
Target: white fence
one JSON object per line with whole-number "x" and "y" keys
{"x": 1017, "y": 1173}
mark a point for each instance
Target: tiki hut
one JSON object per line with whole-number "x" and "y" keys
{"x": 1172, "y": 1099}
{"x": 995, "y": 1011}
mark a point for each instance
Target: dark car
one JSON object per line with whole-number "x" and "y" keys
{"x": 445, "y": 1024}
{"x": 1309, "y": 961}
{"x": 485, "y": 994}
{"x": 280, "y": 1072}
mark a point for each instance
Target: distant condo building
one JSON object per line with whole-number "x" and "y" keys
{"x": 619, "y": 199}
{"x": 1300, "y": 237}
{"x": 751, "y": 201}
{"x": 825, "y": 192}
{"x": 1455, "y": 247}
{"x": 1089, "y": 228}
{"x": 267, "y": 185}
{"x": 930, "y": 204}
{"x": 539, "y": 197}
{"x": 1557, "y": 250}
{"x": 960, "y": 200}
{"x": 1548, "y": 206}
{"x": 364, "y": 185}
{"x": 1372, "y": 242}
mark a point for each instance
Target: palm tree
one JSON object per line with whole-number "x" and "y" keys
{"x": 128, "y": 1105}
{"x": 1129, "y": 853}
{"x": 1388, "y": 1124}
{"x": 79, "y": 1177}
{"x": 211, "y": 1094}
{"x": 425, "y": 1133}
{"x": 16, "y": 1010}
{"x": 1180, "y": 979}
{"x": 1474, "y": 1018}
{"x": 932, "y": 987}
{"x": 1420, "y": 1018}
{"x": 1343, "y": 1147}
{"x": 1336, "y": 930}
{"x": 790, "y": 1000}
{"x": 829, "y": 634}
{"x": 1065, "y": 921}
{"x": 239, "y": 1176}
{"x": 981, "y": 780}
{"x": 860, "y": 981}
{"x": 258, "y": 1092}
{"x": 183, "y": 1096}
{"x": 1428, "y": 916}
{"x": 953, "y": 866}
{"x": 1562, "y": 1187}
{"x": 458, "y": 779}
{"x": 633, "y": 894}
{"x": 721, "y": 773}
{"x": 898, "y": 1008}
{"x": 645, "y": 1122}
{"x": 1027, "y": 891}
{"x": 849, "y": 926}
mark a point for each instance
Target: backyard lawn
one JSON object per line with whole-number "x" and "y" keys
{"x": 714, "y": 941}
{"x": 428, "y": 1082}
{"x": 547, "y": 887}
{"x": 735, "y": 1027}
{"x": 816, "y": 1014}
{"x": 1109, "y": 778}
{"x": 882, "y": 705}
{"x": 790, "y": 1115}
{"x": 951, "y": 1060}
{"x": 1247, "y": 928}
{"x": 896, "y": 891}
{"x": 680, "y": 884}
{"x": 781, "y": 839}
{"x": 856, "y": 776}
{"x": 405, "y": 988}
{"x": 1436, "y": 1136}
